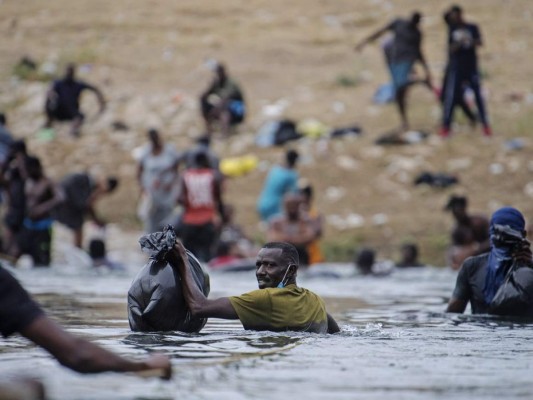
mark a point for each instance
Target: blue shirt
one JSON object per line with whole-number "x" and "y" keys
{"x": 280, "y": 181}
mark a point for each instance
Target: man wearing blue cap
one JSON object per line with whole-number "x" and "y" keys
{"x": 481, "y": 276}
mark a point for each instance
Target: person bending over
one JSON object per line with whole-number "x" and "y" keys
{"x": 278, "y": 305}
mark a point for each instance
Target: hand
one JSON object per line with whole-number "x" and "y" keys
{"x": 523, "y": 253}
{"x": 180, "y": 249}
{"x": 159, "y": 362}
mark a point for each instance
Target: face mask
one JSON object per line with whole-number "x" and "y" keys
{"x": 282, "y": 284}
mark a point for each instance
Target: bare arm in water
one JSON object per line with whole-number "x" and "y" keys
{"x": 86, "y": 357}
{"x": 199, "y": 305}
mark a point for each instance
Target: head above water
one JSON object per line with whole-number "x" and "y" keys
{"x": 276, "y": 262}
{"x": 507, "y": 217}
{"x": 3, "y": 119}
{"x": 365, "y": 260}
{"x": 458, "y": 206}
{"x": 409, "y": 253}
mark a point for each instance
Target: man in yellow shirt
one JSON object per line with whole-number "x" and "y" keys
{"x": 278, "y": 305}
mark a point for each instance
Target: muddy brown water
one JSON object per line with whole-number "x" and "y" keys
{"x": 396, "y": 342}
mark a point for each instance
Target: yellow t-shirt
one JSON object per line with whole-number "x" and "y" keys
{"x": 288, "y": 309}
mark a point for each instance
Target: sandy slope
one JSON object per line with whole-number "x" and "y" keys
{"x": 148, "y": 56}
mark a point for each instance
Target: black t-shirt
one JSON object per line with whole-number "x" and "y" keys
{"x": 406, "y": 42}
{"x": 17, "y": 309}
{"x": 465, "y": 58}
{"x": 68, "y": 94}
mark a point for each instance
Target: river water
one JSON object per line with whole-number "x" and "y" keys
{"x": 396, "y": 342}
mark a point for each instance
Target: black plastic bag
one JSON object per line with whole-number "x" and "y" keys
{"x": 515, "y": 295}
{"x": 155, "y": 298}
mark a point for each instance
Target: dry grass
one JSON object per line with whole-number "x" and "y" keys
{"x": 150, "y": 50}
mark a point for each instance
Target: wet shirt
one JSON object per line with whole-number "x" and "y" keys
{"x": 406, "y": 42}
{"x": 465, "y": 58}
{"x": 288, "y": 309}
{"x": 68, "y": 93}
{"x": 17, "y": 309}
{"x": 200, "y": 203}
{"x": 471, "y": 281}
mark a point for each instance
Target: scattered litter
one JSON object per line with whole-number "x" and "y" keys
{"x": 276, "y": 109}
{"x": 347, "y": 131}
{"x": 238, "y": 166}
{"x": 349, "y": 222}
{"x": 496, "y": 169}
{"x": 528, "y": 189}
{"x": 276, "y": 133}
{"x": 438, "y": 180}
{"x": 312, "y": 128}
{"x": 401, "y": 138}
{"x": 380, "y": 219}
{"x": 334, "y": 193}
{"x": 458, "y": 164}
{"x": 46, "y": 134}
{"x": 514, "y": 144}
{"x": 119, "y": 126}
{"x": 347, "y": 163}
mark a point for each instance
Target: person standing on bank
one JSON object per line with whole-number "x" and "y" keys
{"x": 462, "y": 71}
{"x": 405, "y": 51}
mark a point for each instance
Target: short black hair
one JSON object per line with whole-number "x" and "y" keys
{"x": 19, "y": 146}
{"x": 288, "y": 251}
{"x": 416, "y": 16}
{"x": 33, "y": 162}
{"x": 112, "y": 183}
{"x": 153, "y": 134}
{"x": 365, "y": 260}
{"x": 412, "y": 248}
{"x": 201, "y": 160}
{"x": 456, "y": 8}
{"x": 204, "y": 140}
{"x": 97, "y": 249}
{"x": 292, "y": 156}
{"x": 3, "y": 119}
{"x": 455, "y": 201}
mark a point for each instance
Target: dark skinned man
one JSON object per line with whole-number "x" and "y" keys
{"x": 278, "y": 305}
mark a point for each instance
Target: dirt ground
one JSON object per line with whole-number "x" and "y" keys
{"x": 296, "y": 57}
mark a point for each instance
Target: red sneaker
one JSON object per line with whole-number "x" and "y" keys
{"x": 444, "y": 132}
{"x": 487, "y": 131}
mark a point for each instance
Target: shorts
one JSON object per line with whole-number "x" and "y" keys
{"x": 400, "y": 72}
{"x": 37, "y": 244}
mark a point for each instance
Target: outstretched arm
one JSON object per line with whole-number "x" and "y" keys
{"x": 99, "y": 96}
{"x": 199, "y": 305}
{"x": 372, "y": 37}
{"x": 456, "y": 306}
{"x": 86, "y": 357}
